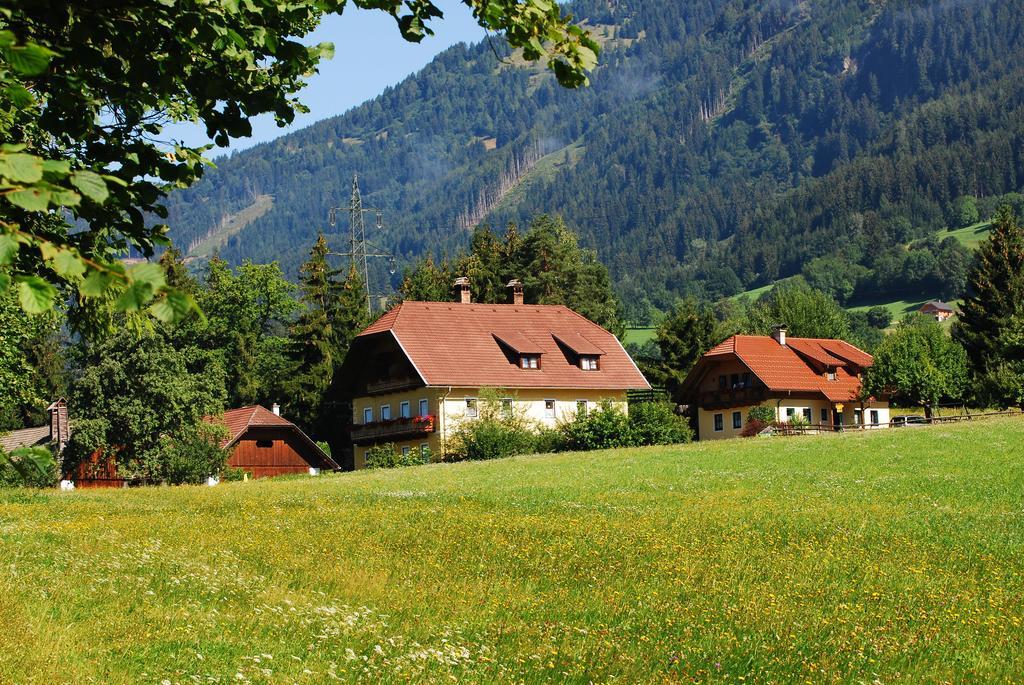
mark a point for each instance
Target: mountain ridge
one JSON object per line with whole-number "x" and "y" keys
{"x": 722, "y": 145}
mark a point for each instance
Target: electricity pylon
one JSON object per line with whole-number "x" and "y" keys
{"x": 359, "y": 249}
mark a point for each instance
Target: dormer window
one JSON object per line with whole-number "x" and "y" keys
{"x": 529, "y": 361}
{"x": 588, "y": 362}
{"x": 831, "y": 374}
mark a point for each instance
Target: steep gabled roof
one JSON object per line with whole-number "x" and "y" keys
{"x": 240, "y": 421}
{"x": 457, "y": 345}
{"x": 790, "y": 367}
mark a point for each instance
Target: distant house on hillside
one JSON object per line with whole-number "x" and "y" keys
{"x": 940, "y": 310}
{"x": 817, "y": 380}
{"x": 419, "y": 370}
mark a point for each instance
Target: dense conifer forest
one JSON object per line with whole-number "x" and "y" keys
{"x": 723, "y": 145}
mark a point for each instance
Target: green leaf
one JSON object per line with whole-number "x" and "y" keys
{"x": 149, "y": 273}
{"x": 21, "y": 168}
{"x": 68, "y": 264}
{"x": 173, "y": 307}
{"x": 59, "y": 167}
{"x": 29, "y": 60}
{"x": 5, "y": 281}
{"x": 135, "y": 297}
{"x": 91, "y": 184}
{"x": 8, "y": 248}
{"x": 31, "y": 199}
{"x": 96, "y": 283}
{"x": 19, "y": 95}
{"x": 35, "y": 294}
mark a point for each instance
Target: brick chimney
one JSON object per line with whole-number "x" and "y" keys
{"x": 779, "y": 333}
{"x": 462, "y": 288}
{"x": 516, "y": 286}
{"x": 59, "y": 431}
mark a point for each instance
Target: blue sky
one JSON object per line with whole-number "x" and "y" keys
{"x": 370, "y": 55}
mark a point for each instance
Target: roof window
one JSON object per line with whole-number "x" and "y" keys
{"x": 529, "y": 361}
{"x": 589, "y": 362}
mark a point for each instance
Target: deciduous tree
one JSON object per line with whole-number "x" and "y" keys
{"x": 918, "y": 364}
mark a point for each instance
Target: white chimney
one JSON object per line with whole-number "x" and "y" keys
{"x": 462, "y": 286}
{"x": 276, "y": 408}
{"x": 779, "y": 333}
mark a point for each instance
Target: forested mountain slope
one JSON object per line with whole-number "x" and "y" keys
{"x": 723, "y": 144}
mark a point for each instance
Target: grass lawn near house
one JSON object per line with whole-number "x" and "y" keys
{"x": 639, "y": 336}
{"x": 887, "y": 556}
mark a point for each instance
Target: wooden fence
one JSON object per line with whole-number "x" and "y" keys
{"x": 784, "y": 428}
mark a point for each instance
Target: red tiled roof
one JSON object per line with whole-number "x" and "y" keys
{"x": 784, "y": 368}
{"x": 456, "y": 344}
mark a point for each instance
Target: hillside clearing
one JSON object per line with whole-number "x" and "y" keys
{"x": 892, "y": 556}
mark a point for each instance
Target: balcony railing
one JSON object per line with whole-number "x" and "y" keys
{"x": 402, "y": 428}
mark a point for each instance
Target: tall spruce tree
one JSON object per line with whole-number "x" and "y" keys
{"x": 690, "y": 330}
{"x": 312, "y": 339}
{"x": 991, "y": 322}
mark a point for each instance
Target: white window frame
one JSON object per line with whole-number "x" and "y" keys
{"x": 472, "y": 409}
{"x": 586, "y": 407}
{"x": 529, "y": 361}
{"x": 858, "y": 416}
{"x": 553, "y": 411}
{"x": 790, "y": 412}
{"x": 507, "y": 407}
{"x": 873, "y": 416}
{"x": 367, "y": 415}
{"x": 589, "y": 362}
{"x": 424, "y": 407}
{"x": 405, "y": 409}
{"x": 385, "y": 409}
{"x": 737, "y": 420}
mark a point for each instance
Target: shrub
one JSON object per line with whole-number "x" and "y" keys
{"x": 602, "y": 428}
{"x": 762, "y": 414}
{"x": 495, "y": 432}
{"x": 232, "y": 474}
{"x": 388, "y": 456}
{"x": 549, "y": 440}
{"x": 656, "y": 423}
{"x": 492, "y": 438}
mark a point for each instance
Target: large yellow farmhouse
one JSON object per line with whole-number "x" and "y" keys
{"x": 419, "y": 370}
{"x": 818, "y": 381}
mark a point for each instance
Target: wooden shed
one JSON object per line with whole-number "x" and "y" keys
{"x": 265, "y": 444}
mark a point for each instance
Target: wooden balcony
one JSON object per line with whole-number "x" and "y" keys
{"x": 734, "y": 397}
{"x": 392, "y": 430}
{"x": 392, "y": 385}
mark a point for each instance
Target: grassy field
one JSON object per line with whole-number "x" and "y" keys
{"x": 893, "y": 556}
{"x": 638, "y": 336}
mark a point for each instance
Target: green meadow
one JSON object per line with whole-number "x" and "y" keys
{"x": 895, "y": 556}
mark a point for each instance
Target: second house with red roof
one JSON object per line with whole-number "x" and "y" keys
{"x": 816, "y": 382}
{"x": 420, "y": 369}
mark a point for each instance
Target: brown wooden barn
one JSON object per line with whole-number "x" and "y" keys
{"x": 262, "y": 443}
{"x": 265, "y": 444}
